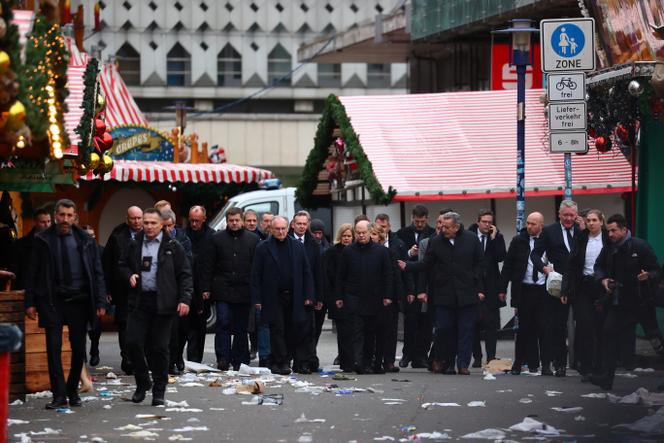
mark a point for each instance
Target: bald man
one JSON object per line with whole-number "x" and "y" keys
{"x": 529, "y": 300}
{"x": 117, "y": 286}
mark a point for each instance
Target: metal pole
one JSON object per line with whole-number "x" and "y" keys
{"x": 568, "y": 176}
{"x": 520, "y": 60}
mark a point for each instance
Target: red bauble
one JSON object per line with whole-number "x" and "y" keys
{"x": 622, "y": 132}
{"x": 100, "y": 126}
{"x": 603, "y": 144}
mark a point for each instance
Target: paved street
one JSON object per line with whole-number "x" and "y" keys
{"x": 392, "y": 404}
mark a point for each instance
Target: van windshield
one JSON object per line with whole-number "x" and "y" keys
{"x": 216, "y": 221}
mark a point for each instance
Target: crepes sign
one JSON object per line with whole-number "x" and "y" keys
{"x": 140, "y": 143}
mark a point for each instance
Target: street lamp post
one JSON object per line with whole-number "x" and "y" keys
{"x": 521, "y": 32}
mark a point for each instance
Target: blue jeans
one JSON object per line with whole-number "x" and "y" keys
{"x": 263, "y": 338}
{"x": 455, "y": 328}
{"x": 232, "y": 319}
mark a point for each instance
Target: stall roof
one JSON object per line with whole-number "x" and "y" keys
{"x": 167, "y": 172}
{"x": 460, "y": 145}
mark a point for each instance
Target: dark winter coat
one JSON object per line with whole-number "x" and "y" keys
{"x": 404, "y": 283}
{"x": 494, "y": 254}
{"x": 551, "y": 241}
{"x": 228, "y": 267}
{"x": 314, "y": 253}
{"x": 265, "y": 279}
{"x": 623, "y": 263}
{"x": 365, "y": 277}
{"x": 115, "y": 251}
{"x": 331, "y": 263}
{"x": 515, "y": 266}
{"x": 174, "y": 281}
{"x": 201, "y": 242}
{"x": 40, "y": 292}
{"x": 407, "y": 236}
{"x": 576, "y": 262}
{"x": 452, "y": 271}
{"x": 21, "y": 266}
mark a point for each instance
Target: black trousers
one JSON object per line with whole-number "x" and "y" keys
{"x": 287, "y": 338}
{"x": 174, "y": 348}
{"x": 368, "y": 339}
{"x": 390, "y": 319}
{"x": 75, "y": 315}
{"x": 94, "y": 334}
{"x": 309, "y": 338}
{"x": 488, "y": 320}
{"x": 559, "y": 314}
{"x": 345, "y": 343}
{"x": 417, "y": 332}
{"x": 618, "y": 322}
{"x": 535, "y": 322}
{"x": 192, "y": 329}
{"x": 146, "y": 328}
{"x": 121, "y": 321}
{"x": 587, "y": 332}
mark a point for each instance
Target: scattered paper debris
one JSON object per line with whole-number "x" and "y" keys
{"x": 579, "y": 418}
{"x": 182, "y": 404}
{"x": 640, "y": 396}
{"x": 216, "y": 383}
{"x": 525, "y": 401}
{"x": 16, "y": 421}
{"x": 111, "y": 376}
{"x": 303, "y": 419}
{"x": 151, "y": 417}
{"x": 498, "y": 366}
{"x": 476, "y": 404}
{"x": 183, "y": 410}
{"x": 64, "y": 411}
{"x": 567, "y": 409}
{"x": 217, "y": 409}
{"x": 265, "y": 400}
{"x": 432, "y": 436}
{"x": 644, "y": 370}
{"x": 626, "y": 375}
{"x": 489, "y": 376}
{"x": 341, "y": 377}
{"x": 250, "y": 370}
{"x": 192, "y": 384}
{"x": 595, "y": 395}
{"x": 553, "y": 393}
{"x": 141, "y": 434}
{"x": 191, "y": 429}
{"x": 531, "y": 425}
{"x": 255, "y": 387}
{"x": 650, "y": 424}
{"x": 437, "y": 404}
{"x": 41, "y": 394}
{"x": 17, "y": 402}
{"x": 198, "y": 368}
{"x": 179, "y": 437}
{"x": 305, "y": 438}
{"x": 384, "y": 438}
{"x": 487, "y": 434}
{"x": 107, "y": 406}
{"x": 129, "y": 427}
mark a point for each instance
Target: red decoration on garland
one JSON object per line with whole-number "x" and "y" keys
{"x": 622, "y": 132}
{"x": 603, "y": 144}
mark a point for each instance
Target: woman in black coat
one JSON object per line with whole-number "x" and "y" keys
{"x": 331, "y": 259}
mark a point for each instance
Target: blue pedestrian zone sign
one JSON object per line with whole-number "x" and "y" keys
{"x": 141, "y": 143}
{"x": 568, "y": 40}
{"x": 568, "y": 45}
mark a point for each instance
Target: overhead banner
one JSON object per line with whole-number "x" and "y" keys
{"x": 141, "y": 143}
{"x": 503, "y": 76}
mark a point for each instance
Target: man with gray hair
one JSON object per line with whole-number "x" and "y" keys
{"x": 452, "y": 282}
{"x": 556, "y": 242}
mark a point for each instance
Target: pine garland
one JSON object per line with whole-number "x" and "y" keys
{"x": 46, "y": 60}
{"x": 10, "y": 42}
{"x": 84, "y": 128}
{"x": 334, "y": 115}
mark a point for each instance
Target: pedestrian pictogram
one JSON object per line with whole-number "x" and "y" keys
{"x": 568, "y": 45}
{"x": 568, "y": 40}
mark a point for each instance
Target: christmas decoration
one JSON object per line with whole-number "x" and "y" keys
{"x": 635, "y": 89}
{"x": 4, "y": 62}
{"x": 334, "y": 116}
{"x": 16, "y": 116}
{"x": 603, "y": 144}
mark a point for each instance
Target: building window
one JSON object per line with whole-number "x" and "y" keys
{"x": 229, "y": 67}
{"x": 178, "y": 66}
{"x": 129, "y": 64}
{"x": 279, "y": 66}
{"x": 329, "y": 75}
{"x": 378, "y": 75}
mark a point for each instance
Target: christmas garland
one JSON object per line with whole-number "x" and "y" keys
{"x": 334, "y": 115}
{"x": 84, "y": 128}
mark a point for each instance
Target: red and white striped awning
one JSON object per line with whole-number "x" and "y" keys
{"x": 463, "y": 145}
{"x": 121, "y": 109}
{"x": 167, "y": 172}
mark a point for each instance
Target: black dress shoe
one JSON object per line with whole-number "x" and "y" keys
{"x": 516, "y": 369}
{"x": 336, "y": 361}
{"x": 223, "y": 365}
{"x": 449, "y": 371}
{"x": 127, "y": 367}
{"x": 403, "y": 363}
{"x": 158, "y": 399}
{"x": 359, "y": 369}
{"x": 284, "y": 369}
{"x": 604, "y": 381}
{"x": 75, "y": 401}
{"x": 173, "y": 370}
{"x": 180, "y": 366}
{"x": 390, "y": 367}
{"x": 263, "y": 363}
{"x": 546, "y": 370}
{"x": 139, "y": 394}
{"x": 57, "y": 403}
{"x": 477, "y": 362}
{"x": 94, "y": 359}
{"x": 302, "y": 370}
{"x": 560, "y": 372}
{"x": 419, "y": 363}
{"x": 378, "y": 369}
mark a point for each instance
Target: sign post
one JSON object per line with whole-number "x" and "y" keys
{"x": 568, "y": 51}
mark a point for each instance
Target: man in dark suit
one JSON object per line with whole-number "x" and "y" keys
{"x": 529, "y": 300}
{"x": 70, "y": 291}
{"x": 282, "y": 291}
{"x": 23, "y": 247}
{"x": 627, "y": 270}
{"x": 493, "y": 246}
{"x": 582, "y": 291}
{"x": 364, "y": 288}
{"x": 404, "y": 287}
{"x": 411, "y": 236}
{"x": 118, "y": 287}
{"x": 453, "y": 265}
{"x": 556, "y": 242}
{"x": 316, "y": 314}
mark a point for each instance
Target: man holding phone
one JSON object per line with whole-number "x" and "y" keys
{"x": 493, "y": 247}
{"x": 159, "y": 276}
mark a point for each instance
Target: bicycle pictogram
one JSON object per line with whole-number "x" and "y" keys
{"x": 566, "y": 82}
